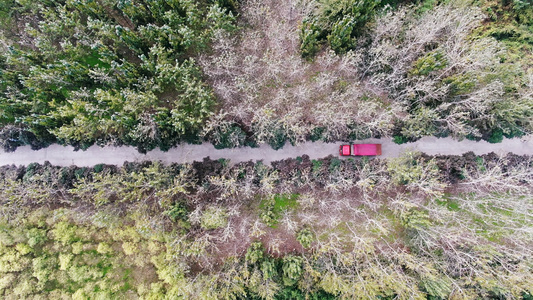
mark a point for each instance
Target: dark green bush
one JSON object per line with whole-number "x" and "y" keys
{"x": 400, "y": 139}
{"x": 232, "y": 137}
{"x": 309, "y": 40}
{"x": 316, "y": 134}
{"x": 496, "y": 136}
{"x": 177, "y": 212}
{"x": 278, "y": 139}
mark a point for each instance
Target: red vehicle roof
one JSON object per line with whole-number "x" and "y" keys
{"x": 345, "y": 150}
{"x": 367, "y": 149}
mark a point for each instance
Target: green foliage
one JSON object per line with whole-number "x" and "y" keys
{"x": 228, "y": 137}
{"x": 414, "y": 219}
{"x": 416, "y": 174}
{"x": 292, "y": 269}
{"x": 496, "y": 136}
{"x": 104, "y": 248}
{"x": 400, "y": 139}
{"x": 510, "y": 22}
{"x": 278, "y": 138}
{"x": 309, "y": 39}
{"x": 426, "y": 5}
{"x": 334, "y": 164}
{"x": 65, "y": 233}
{"x": 177, "y": 212}
{"x": 285, "y": 201}
{"x": 232, "y": 5}
{"x": 428, "y": 63}
{"x": 36, "y": 237}
{"x": 53, "y": 267}
{"x": 460, "y": 84}
{"x": 271, "y": 208}
{"x": 399, "y": 240}
{"x": 317, "y": 165}
{"x": 255, "y": 254}
{"x": 268, "y": 268}
{"x": 214, "y": 217}
{"x": 337, "y": 21}
{"x": 340, "y": 39}
{"x": 316, "y": 134}
{"x": 7, "y": 8}
{"x": 305, "y": 237}
{"x": 436, "y": 288}
{"x": 129, "y": 248}
{"x": 268, "y": 216}
{"x": 421, "y": 123}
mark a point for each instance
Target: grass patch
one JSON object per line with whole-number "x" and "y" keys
{"x": 450, "y": 204}
{"x": 285, "y": 201}
{"x": 271, "y": 208}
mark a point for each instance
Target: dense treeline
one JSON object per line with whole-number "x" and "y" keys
{"x": 154, "y": 73}
{"x": 421, "y": 227}
{"x": 85, "y": 72}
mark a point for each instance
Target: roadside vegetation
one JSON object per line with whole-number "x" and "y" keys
{"x": 449, "y": 227}
{"x": 156, "y": 73}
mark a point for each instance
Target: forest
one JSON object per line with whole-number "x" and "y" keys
{"x": 153, "y": 74}
{"x": 413, "y": 227}
{"x": 157, "y": 73}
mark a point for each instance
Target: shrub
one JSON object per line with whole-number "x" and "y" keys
{"x": 228, "y": 137}
{"x": 428, "y": 63}
{"x": 268, "y": 216}
{"x": 292, "y": 269}
{"x": 9, "y": 138}
{"x": 305, "y": 237}
{"x": 79, "y": 274}
{"x": 104, "y": 248}
{"x": 77, "y": 247}
{"x": 23, "y": 248}
{"x": 334, "y": 164}
{"x": 213, "y": 217}
{"x": 309, "y": 42}
{"x": 254, "y": 253}
{"x": 42, "y": 268}
{"x": 36, "y": 237}
{"x": 278, "y": 138}
{"x": 65, "y": 260}
{"x": 435, "y": 288}
{"x": 400, "y": 139}
{"x": 129, "y": 248}
{"x": 24, "y": 288}
{"x": 268, "y": 268}
{"x": 317, "y": 134}
{"x": 340, "y": 39}
{"x": 496, "y": 136}
{"x": 338, "y": 22}
{"x": 6, "y": 280}
{"x": 65, "y": 233}
{"x": 177, "y": 212}
{"x": 5, "y": 238}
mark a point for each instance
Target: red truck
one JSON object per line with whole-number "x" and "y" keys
{"x": 360, "y": 150}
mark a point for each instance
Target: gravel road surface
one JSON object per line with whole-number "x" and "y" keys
{"x": 66, "y": 156}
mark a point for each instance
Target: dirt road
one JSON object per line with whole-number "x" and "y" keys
{"x": 66, "y": 156}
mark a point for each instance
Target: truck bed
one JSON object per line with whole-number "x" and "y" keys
{"x": 366, "y": 149}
